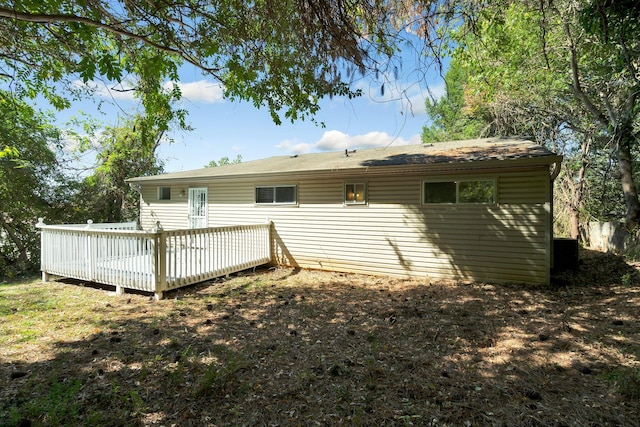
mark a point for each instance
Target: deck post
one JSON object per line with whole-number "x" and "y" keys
{"x": 161, "y": 264}
{"x": 40, "y": 224}
{"x": 91, "y": 254}
{"x": 269, "y": 242}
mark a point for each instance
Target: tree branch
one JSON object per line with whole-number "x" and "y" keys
{"x": 577, "y": 87}
{"x": 543, "y": 28}
{"x": 22, "y": 250}
{"x": 39, "y": 18}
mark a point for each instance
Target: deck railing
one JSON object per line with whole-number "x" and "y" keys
{"x": 154, "y": 261}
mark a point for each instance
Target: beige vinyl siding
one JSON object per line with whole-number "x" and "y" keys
{"x": 172, "y": 214}
{"x": 394, "y": 234}
{"x": 525, "y": 187}
{"x": 406, "y": 243}
{"x": 240, "y": 192}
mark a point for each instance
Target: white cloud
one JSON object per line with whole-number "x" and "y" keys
{"x": 72, "y": 141}
{"x": 407, "y": 97}
{"x": 438, "y": 91}
{"x": 295, "y": 147}
{"x": 200, "y": 91}
{"x": 416, "y": 102}
{"x": 335, "y": 140}
{"x": 116, "y": 91}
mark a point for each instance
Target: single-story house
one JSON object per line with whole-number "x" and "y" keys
{"x": 474, "y": 210}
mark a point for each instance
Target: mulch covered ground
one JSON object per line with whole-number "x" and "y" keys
{"x": 287, "y": 347}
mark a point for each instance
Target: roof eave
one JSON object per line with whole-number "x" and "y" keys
{"x": 453, "y": 166}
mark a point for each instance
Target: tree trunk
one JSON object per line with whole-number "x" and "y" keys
{"x": 574, "y": 223}
{"x": 624, "y": 143}
{"x": 579, "y": 189}
{"x": 571, "y": 187}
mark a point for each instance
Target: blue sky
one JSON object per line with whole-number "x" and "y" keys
{"x": 223, "y": 128}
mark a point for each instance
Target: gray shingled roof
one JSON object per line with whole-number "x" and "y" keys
{"x": 443, "y": 152}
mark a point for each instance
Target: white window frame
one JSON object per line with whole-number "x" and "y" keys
{"x": 355, "y": 202}
{"x": 160, "y": 190}
{"x": 457, "y": 181}
{"x": 275, "y": 189}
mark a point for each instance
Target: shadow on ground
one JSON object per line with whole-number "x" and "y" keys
{"x": 285, "y": 347}
{"x": 598, "y": 269}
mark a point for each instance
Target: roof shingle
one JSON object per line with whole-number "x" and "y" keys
{"x": 476, "y": 150}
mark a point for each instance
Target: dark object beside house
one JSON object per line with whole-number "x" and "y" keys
{"x": 565, "y": 254}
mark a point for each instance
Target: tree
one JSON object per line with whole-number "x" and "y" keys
{"x": 450, "y": 116}
{"x": 224, "y": 161}
{"x": 124, "y": 151}
{"x": 611, "y": 92}
{"x": 282, "y": 54}
{"x": 30, "y": 183}
{"x": 564, "y": 73}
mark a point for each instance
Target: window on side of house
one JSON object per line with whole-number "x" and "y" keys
{"x": 276, "y": 194}
{"x": 460, "y": 191}
{"x": 355, "y": 194}
{"x": 164, "y": 193}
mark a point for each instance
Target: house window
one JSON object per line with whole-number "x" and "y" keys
{"x": 276, "y": 194}
{"x": 355, "y": 194}
{"x": 462, "y": 191}
{"x": 164, "y": 193}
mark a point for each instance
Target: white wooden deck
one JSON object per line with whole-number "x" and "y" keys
{"x": 153, "y": 261}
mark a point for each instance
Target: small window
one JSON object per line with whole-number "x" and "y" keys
{"x": 164, "y": 193}
{"x": 467, "y": 191}
{"x": 281, "y": 194}
{"x": 355, "y": 194}
{"x": 439, "y": 192}
{"x": 476, "y": 192}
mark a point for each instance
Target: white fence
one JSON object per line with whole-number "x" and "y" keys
{"x": 610, "y": 237}
{"x": 154, "y": 261}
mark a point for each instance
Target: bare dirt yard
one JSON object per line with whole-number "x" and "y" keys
{"x": 282, "y": 347}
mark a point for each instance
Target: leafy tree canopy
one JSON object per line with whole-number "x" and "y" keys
{"x": 558, "y": 71}
{"x": 29, "y": 180}
{"x": 123, "y": 151}
{"x": 224, "y": 161}
{"x": 451, "y": 116}
{"x": 282, "y": 54}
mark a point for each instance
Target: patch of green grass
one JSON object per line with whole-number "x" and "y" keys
{"x": 26, "y": 335}
{"x": 223, "y": 378}
{"x": 135, "y": 401}
{"x": 58, "y": 406}
{"x": 627, "y": 380}
{"x": 627, "y": 279}
{"x": 342, "y": 394}
{"x": 31, "y": 310}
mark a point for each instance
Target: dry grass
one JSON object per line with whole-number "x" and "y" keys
{"x": 286, "y": 347}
